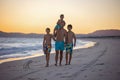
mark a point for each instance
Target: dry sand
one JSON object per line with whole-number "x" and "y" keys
{"x": 101, "y": 62}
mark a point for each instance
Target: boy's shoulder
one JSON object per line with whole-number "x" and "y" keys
{"x": 44, "y": 35}
{"x": 48, "y": 35}
{"x": 71, "y": 32}
{"x": 61, "y": 20}
{"x": 64, "y": 30}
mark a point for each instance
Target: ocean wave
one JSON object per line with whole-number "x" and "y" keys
{"x": 17, "y": 47}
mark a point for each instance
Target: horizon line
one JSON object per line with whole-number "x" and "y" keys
{"x": 45, "y": 33}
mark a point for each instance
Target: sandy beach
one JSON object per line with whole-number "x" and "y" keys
{"x": 100, "y": 62}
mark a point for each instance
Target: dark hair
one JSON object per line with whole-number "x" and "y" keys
{"x": 48, "y": 29}
{"x": 61, "y": 15}
{"x": 69, "y": 26}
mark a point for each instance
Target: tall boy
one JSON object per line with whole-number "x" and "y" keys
{"x": 71, "y": 41}
{"x": 61, "y": 35}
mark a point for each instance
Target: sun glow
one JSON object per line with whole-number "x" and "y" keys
{"x": 33, "y": 16}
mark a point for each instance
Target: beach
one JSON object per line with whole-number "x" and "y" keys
{"x": 100, "y": 62}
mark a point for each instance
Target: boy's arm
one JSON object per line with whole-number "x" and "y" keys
{"x": 64, "y": 23}
{"x": 44, "y": 41}
{"x": 54, "y": 32}
{"x": 66, "y": 37}
{"x": 58, "y": 22}
{"x": 74, "y": 39}
{"x": 53, "y": 37}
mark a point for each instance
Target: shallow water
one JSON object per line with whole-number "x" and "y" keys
{"x": 21, "y": 48}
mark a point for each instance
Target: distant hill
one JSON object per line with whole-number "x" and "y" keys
{"x": 20, "y": 35}
{"x": 102, "y": 33}
{"x": 98, "y": 33}
{"x": 106, "y": 33}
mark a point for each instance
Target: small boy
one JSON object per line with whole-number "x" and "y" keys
{"x": 47, "y": 45}
{"x": 70, "y": 43}
{"x": 60, "y": 24}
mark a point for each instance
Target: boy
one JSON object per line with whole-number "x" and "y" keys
{"x": 60, "y": 24}
{"x": 47, "y": 45}
{"x": 70, "y": 43}
{"x": 61, "y": 35}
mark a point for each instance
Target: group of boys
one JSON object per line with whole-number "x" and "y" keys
{"x": 63, "y": 40}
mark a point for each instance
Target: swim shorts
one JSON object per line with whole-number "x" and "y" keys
{"x": 47, "y": 48}
{"x": 59, "y": 45}
{"x": 69, "y": 48}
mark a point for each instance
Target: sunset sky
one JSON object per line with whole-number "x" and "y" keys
{"x": 33, "y": 16}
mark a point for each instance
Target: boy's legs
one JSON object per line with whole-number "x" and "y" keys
{"x": 57, "y": 52}
{"x": 66, "y": 58}
{"x": 70, "y": 57}
{"x": 48, "y": 55}
{"x": 61, "y": 51}
{"x": 69, "y": 50}
{"x": 59, "y": 46}
{"x": 56, "y": 57}
{"x": 61, "y": 57}
{"x": 47, "y": 58}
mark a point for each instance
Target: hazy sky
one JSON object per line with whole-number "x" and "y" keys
{"x": 33, "y": 16}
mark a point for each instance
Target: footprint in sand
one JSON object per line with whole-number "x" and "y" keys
{"x": 101, "y": 75}
{"x": 85, "y": 76}
{"x": 65, "y": 76}
{"x": 100, "y": 64}
{"x": 58, "y": 74}
{"x": 33, "y": 78}
{"x": 118, "y": 73}
{"x": 100, "y": 69}
{"x": 49, "y": 72}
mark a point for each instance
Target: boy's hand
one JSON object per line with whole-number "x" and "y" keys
{"x": 65, "y": 44}
{"x": 74, "y": 44}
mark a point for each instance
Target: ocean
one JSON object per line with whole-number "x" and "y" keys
{"x": 21, "y": 48}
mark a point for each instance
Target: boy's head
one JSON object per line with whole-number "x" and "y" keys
{"x": 61, "y": 16}
{"x": 69, "y": 27}
{"x": 48, "y": 30}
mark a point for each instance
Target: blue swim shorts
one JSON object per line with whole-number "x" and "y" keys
{"x": 59, "y": 45}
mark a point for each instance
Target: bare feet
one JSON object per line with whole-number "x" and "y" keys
{"x": 55, "y": 64}
{"x": 60, "y": 64}
{"x": 47, "y": 65}
{"x": 66, "y": 64}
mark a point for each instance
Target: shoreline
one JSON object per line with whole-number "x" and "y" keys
{"x": 91, "y": 44}
{"x": 93, "y": 63}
